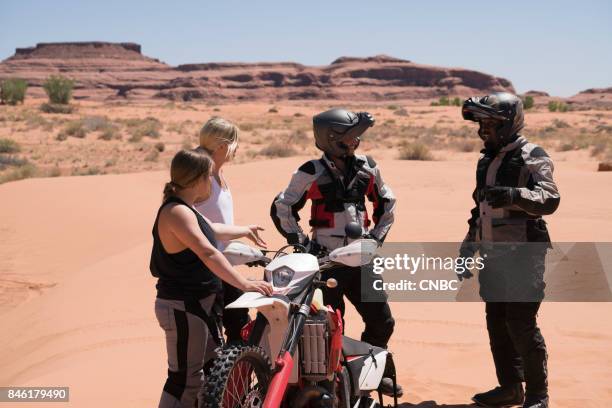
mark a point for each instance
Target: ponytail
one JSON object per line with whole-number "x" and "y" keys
{"x": 186, "y": 168}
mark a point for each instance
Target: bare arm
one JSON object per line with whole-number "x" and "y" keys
{"x": 184, "y": 226}
{"x": 224, "y": 232}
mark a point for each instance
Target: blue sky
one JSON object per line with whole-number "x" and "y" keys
{"x": 561, "y": 47}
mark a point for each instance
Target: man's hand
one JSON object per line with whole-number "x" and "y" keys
{"x": 499, "y": 197}
{"x": 467, "y": 250}
{"x": 366, "y": 118}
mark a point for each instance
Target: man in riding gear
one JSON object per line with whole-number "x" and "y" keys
{"x": 514, "y": 189}
{"x": 338, "y": 184}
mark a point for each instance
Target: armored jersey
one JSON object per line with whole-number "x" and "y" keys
{"x": 527, "y": 167}
{"x": 337, "y": 199}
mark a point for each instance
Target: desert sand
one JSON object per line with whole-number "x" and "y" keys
{"x": 77, "y": 297}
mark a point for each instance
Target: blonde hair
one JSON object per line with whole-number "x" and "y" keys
{"x": 186, "y": 168}
{"x": 216, "y": 132}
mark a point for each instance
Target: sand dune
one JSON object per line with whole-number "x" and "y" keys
{"x": 76, "y": 296}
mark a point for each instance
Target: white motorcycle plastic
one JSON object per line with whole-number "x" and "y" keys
{"x": 313, "y": 363}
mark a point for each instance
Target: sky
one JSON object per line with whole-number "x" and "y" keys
{"x": 561, "y": 47}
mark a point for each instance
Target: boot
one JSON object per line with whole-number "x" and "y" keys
{"x": 386, "y": 387}
{"x": 536, "y": 402}
{"x": 504, "y": 396}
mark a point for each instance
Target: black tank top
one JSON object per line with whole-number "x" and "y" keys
{"x": 182, "y": 276}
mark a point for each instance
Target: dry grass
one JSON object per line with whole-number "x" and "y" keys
{"x": 415, "y": 151}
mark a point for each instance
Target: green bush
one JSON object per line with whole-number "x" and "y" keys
{"x": 415, "y": 151}
{"x": 456, "y": 101}
{"x": 528, "y": 102}
{"x": 12, "y": 91}
{"x": 443, "y": 101}
{"x": 59, "y": 89}
{"x": 9, "y": 146}
{"x": 557, "y": 106}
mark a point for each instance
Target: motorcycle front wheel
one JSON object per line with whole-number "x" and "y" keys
{"x": 238, "y": 378}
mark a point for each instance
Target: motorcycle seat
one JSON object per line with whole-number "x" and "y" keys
{"x": 352, "y": 347}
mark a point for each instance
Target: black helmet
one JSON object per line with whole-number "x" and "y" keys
{"x": 502, "y": 106}
{"x": 333, "y": 125}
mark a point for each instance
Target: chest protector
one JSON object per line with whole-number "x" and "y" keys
{"x": 330, "y": 195}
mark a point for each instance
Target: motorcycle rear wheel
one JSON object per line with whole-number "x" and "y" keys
{"x": 238, "y": 378}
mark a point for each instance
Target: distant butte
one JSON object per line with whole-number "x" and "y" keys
{"x": 104, "y": 70}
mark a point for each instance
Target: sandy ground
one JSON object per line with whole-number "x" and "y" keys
{"x": 76, "y": 300}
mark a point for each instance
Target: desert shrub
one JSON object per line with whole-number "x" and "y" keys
{"x": 96, "y": 123}
{"x": 9, "y": 146}
{"x": 76, "y": 128}
{"x": 87, "y": 171}
{"x": 528, "y": 102}
{"x": 273, "y": 110}
{"x": 278, "y": 149}
{"x": 152, "y": 156}
{"x": 247, "y": 126}
{"x": 566, "y": 147}
{"x": 61, "y": 136}
{"x": 298, "y": 114}
{"x": 415, "y": 151}
{"x": 59, "y": 89}
{"x": 392, "y": 107}
{"x": 456, "y": 101}
{"x": 22, "y": 171}
{"x": 139, "y": 128}
{"x": 560, "y": 124}
{"x": 557, "y": 106}
{"x": 8, "y": 160}
{"x": 401, "y": 112}
{"x": 34, "y": 120}
{"x": 598, "y": 149}
{"x": 160, "y": 146}
{"x": 110, "y": 133}
{"x": 12, "y": 91}
{"x": 56, "y": 108}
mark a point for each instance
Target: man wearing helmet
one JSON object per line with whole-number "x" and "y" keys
{"x": 514, "y": 189}
{"x": 337, "y": 185}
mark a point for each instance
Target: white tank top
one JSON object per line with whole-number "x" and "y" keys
{"x": 219, "y": 208}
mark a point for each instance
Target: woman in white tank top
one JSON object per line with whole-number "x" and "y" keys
{"x": 219, "y": 138}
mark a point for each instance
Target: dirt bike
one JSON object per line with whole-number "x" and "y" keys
{"x": 295, "y": 354}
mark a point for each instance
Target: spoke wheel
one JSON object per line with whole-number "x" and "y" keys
{"x": 239, "y": 378}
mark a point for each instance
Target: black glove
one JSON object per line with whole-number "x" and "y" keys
{"x": 467, "y": 250}
{"x": 370, "y": 236}
{"x": 499, "y": 197}
{"x": 311, "y": 247}
{"x": 365, "y": 119}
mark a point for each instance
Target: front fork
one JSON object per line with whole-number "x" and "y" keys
{"x": 284, "y": 361}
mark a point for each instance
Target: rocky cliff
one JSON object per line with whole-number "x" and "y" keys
{"x": 119, "y": 70}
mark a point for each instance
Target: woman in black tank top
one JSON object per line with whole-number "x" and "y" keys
{"x": 190, "y": 269}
